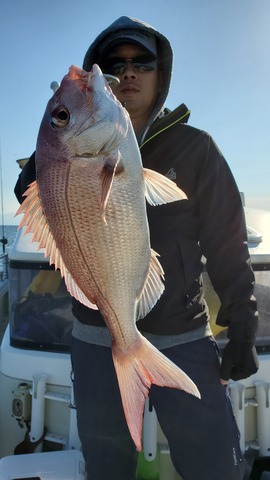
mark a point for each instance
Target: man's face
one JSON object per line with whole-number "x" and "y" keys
{"x": 138, "y": 90}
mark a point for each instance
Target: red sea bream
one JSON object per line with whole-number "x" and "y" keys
{"x": 87, "y": 209}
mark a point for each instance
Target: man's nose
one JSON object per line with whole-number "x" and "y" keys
{"x": 130, "y": 71}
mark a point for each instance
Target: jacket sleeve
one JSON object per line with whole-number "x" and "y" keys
{"x": 223, "y": 238}
{"x": 27, "y": 176}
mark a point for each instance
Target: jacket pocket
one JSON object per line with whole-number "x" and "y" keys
{"x": 192, "y": 265}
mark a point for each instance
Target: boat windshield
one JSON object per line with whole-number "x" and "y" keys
{"x": 41, "y": 308}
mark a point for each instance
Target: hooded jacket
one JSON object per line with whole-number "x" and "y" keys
{"x": 164, "y": 50}
{"x": 209, "y": 225}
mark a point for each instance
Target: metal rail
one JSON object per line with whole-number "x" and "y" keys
{"x": 3, "y": 266}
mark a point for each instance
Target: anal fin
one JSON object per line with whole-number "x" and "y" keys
{"x": 153, "y": 287}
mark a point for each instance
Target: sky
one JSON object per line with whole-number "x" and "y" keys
{"x": 221, "y": 72}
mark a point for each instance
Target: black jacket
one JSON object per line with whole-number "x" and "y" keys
{"x": 210, "y": 223}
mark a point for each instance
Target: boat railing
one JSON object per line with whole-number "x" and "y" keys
{"x": 3, "y": 266}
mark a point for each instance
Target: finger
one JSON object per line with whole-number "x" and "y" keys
{"x": 223, "y": 382}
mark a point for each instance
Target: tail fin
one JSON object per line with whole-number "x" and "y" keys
{"x": 136, "y": 371}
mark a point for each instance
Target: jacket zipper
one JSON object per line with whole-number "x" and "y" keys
{"x": 165, "y": 128}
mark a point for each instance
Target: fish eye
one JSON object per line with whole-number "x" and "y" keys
{"x": 60, "y": 117}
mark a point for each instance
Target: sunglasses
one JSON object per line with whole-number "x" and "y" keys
{"x": 118, "y": 65}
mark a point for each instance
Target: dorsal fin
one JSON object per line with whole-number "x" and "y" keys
{"x": 153, "y": 287}
{"x": 36, "y": 223}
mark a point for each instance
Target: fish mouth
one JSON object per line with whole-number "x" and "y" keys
{"x": 81, "y": 78}
{"x": 77, "y": 74}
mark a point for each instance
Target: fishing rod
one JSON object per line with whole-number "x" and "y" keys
{"x": 3, "y": 240}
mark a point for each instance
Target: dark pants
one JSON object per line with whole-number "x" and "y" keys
{"x": 202, "y": 434}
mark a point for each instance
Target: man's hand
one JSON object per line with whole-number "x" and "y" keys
{"x": 239, "y": 360}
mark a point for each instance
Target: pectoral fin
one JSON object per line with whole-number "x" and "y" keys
{"x": 109, "y": 170}
{"x": 160, "y": 189}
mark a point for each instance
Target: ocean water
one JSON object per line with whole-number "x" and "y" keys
{"x": 9, "y": 233}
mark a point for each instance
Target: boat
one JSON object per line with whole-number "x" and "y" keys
{"x": 38, "y": 431}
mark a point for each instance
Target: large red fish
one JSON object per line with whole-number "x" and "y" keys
{"x": 87, "y": 209}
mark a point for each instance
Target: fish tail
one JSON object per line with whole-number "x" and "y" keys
{"x": 139, "y": 367}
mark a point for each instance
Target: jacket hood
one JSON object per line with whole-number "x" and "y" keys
{"x": 164, "y": 52}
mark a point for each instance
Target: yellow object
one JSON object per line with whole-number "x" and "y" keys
{"x": 46, "y": 281}
{"x": 147, "y": 470}
{"x": 216, "y": 329}
{"x": 213, "y": 303}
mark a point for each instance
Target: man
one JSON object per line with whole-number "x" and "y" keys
{"x": 202, "y": 435}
